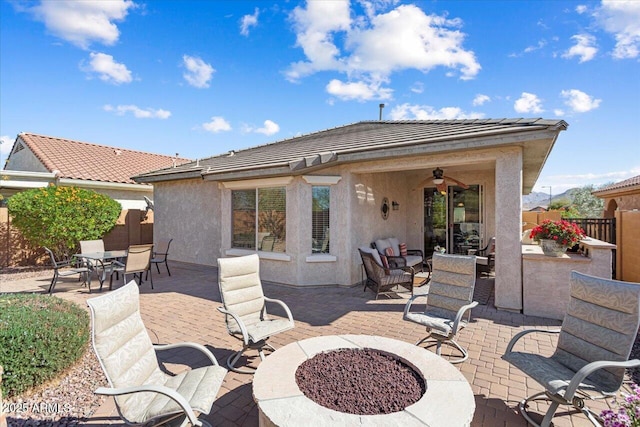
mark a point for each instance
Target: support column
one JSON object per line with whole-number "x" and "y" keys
{"x": 508, "y": 282}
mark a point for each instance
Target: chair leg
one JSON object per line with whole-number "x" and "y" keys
{"x": 453, "y": 359}
{"x": 157, "y": 266}
{"x": 54, "y": 280}
{"x": 546, "y": 421}
{"x": 166, "y": 264}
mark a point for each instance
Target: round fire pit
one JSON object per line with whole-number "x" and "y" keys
{"x": 447, "y": 400}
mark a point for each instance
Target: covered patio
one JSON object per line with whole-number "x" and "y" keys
{"x": 183, "y": 308}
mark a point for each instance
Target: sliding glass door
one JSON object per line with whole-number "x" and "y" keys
{"x": 452, "y": 219}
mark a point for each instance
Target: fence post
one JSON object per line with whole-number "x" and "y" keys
{"x": 133, "y": 226}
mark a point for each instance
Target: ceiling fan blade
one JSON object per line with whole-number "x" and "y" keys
{"x": 442, "y": 188}
{"x": 422, "y": 184}
{"x": 460, "y": 183}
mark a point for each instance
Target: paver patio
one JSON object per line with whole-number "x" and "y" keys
{"x": 183, "y": 307}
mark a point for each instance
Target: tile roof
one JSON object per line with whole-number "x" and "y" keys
{"x": 627, "y": 183}
{"x": 366, "y": 136}
{"x": 83, "y": 160}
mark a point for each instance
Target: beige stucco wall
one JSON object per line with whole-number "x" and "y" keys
{"x": 546, "y": 289}
{"x": 189, "y": 213}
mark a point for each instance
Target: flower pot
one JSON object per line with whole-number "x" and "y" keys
{"x": 551, "y": 248}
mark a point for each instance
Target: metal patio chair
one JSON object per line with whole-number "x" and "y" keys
{"x": 244, "y": 307}
{"x": 594, "y": 344}
{"x": 449, "y": 302}
{"x": 137, "y": 263}
{"x": 382, "y": 279}
{"x": 144, "y": 394}
{"x": 68, "y": 268}
{"x": 161, "y": 253}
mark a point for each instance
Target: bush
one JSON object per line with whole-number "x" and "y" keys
{"x": 40, "y": 337}
{"x": 59, "y": 217}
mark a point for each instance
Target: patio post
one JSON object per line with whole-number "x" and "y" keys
{"x": 508, "y": 208}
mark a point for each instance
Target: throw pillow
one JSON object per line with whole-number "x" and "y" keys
{"x": 385, "y": 261}
{"x": 403, "y": 249}
{"x": 388, "y": 251}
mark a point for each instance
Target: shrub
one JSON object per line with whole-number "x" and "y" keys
{"x": 59, "y": 217}
{"x": 40, "y": 337}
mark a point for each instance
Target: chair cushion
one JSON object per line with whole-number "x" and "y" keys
{"x": 266, "y": 328}
{"x": 395, "y": 244}
{"x": 382, "y": 245}
{"x": 199, "y": 386}
{"x": 413, "y": 260}
{"x": 549, "y": 373}
{"x": 373, "y": 252}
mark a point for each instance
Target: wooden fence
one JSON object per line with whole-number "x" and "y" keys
{"x": 133, "y": 227}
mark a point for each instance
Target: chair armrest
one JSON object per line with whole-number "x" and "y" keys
{"x": 283, "y": 305}
{"x": 590, "y": 368}
{"x": 191, "y": 345}
{"x": 415, "y": 252}
{"x": 243, "y": 329}
{"x": 461, "y": 313}
{"x": 407, "y": 307}
{"x": 520, "y": 334}
{"x": 172, "y": 394}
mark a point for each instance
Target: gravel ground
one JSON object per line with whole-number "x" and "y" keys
{"x": 67, "y": 401}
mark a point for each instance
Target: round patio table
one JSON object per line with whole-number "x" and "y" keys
{"x": 448, "y": 399}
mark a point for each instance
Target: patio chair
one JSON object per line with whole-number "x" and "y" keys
{"x": 137, "y": 263}
{"x": 68, "y": 268}
{"x": 161, "y": 253}
{"x": 594, "y": 344}
{"x": 244, "y": 307}
{"x": 144, "y": 394}
{"x": 450, "y": 300}
{"x": 381, "y": 278}
{"x": 485, "y": 257}
{"x": 98, "y": 266}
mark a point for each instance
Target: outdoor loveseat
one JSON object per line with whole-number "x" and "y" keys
{"x": 398, "y": 255}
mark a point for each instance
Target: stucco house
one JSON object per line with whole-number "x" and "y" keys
{"x": 38, "y": 160}
{"x": 623, "y": 195}
{"x": 307, "y": 203}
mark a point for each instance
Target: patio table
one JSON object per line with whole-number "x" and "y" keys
{"x": 103, "y": 257}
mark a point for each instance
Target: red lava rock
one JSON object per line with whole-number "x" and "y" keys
{"x": 360, "y": 381}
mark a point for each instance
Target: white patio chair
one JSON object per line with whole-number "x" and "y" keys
{"x": 144, "y": 394}
{"x": 98, "y": 266}
{"x": 593, "y": 349}
{"x": 449, "y": 300}
{"x": 244, "y": 307}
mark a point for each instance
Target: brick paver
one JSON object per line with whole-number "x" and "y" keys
{"x": 183, "y": 307}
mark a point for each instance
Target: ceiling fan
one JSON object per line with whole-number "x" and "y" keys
{"x": 440, "y": 181}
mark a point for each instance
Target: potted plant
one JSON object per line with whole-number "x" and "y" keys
{"x": 556, "y": 237}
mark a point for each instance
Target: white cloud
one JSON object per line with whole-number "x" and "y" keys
{"x": 198, "y": 72}
{"x": 360, "y": 91}
{"x": 83, "y": 22}
{"x": 6, "y": 144}
{"x": 248, "y": 21}
{"x": 480, "y": 99}
{"x": 107, "y": 69}
{"x": 558, "y": 113}
{"x": 561, "y": 183}
{"x": 376, "y": 45}
{"x": 417, "y": 87}
{"x": 217, "y": 124}
{"x": 622, "y": 19}
{"x": 584, "y": 48}
{"x": 426, "y": 112}
{"x": 138, "y": 113}
{"x": 528, "y": 103}
{"x": 580, "y": 9}
{"x": 269, "y": 128}
{"x": 578, "y": 101}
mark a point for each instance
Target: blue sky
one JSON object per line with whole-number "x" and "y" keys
{"x": 199, "y": 78}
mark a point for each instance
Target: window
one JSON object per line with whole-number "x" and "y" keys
{"x": 259, "y": 219}
{"x": 320, "y": 219}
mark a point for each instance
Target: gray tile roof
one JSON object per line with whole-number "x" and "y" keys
{"x": 332, "y": 145}
{"x": 622, "y": 185}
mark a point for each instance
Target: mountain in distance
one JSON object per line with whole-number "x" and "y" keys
{"x": 538, "y": 198}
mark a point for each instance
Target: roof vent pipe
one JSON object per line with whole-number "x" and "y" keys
{"x": 381, "y": 107}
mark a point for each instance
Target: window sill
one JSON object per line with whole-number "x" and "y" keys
{"x": 321, "y": 258}
{"x": 273, "y": 256}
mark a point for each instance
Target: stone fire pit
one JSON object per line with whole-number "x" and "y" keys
{"x": 448, "y": 399}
